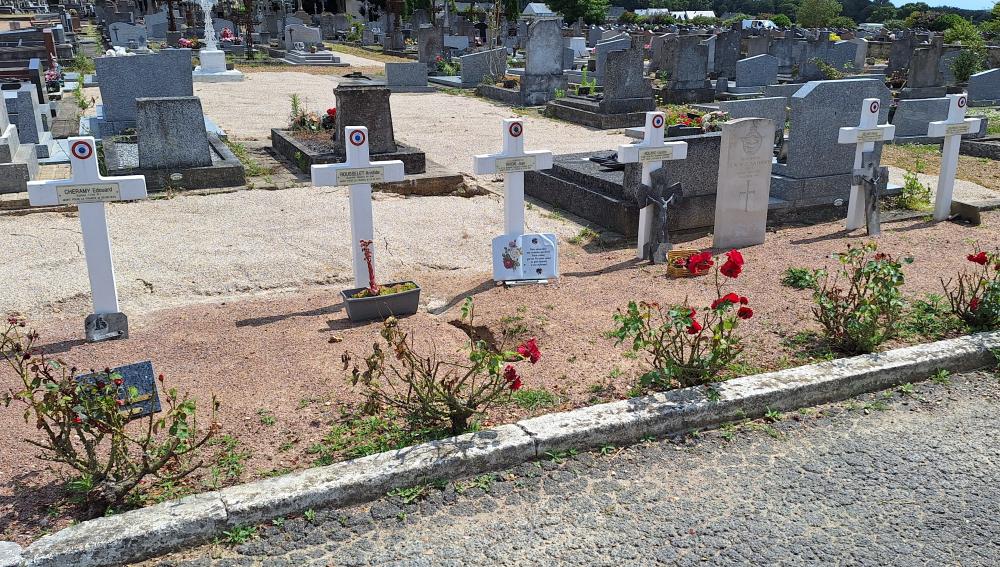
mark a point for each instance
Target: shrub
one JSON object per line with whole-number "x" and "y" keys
{"x": 432, "y": 392}
{"x": 860, "y": 305}
{"x": 799, "y": 278}
{"x": 967, "y": 63}
{"x": 682, "y": 349}
{"x": 915, "y": 196}
{"x": 975, "y": 296}
{"x": 82, "y": 424}
{"x": 782, "y": 21}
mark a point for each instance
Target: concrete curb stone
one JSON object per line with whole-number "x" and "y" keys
{"x": 10, "y": 554}
{"x": 159, "y": 529}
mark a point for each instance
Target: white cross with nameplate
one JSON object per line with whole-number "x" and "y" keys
{"x": 864, "y": 135}
{"x": 89, "y": 190}
{"x": 652, "y": 151}
{"x": 358, "y": 173}
{"x": 512, "y": 161}
{"x": 951, "y": 129}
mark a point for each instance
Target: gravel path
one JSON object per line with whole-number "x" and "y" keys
{"x": 886, "y": 479}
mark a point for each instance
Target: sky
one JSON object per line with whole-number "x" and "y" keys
{"x": 967, "y": 4}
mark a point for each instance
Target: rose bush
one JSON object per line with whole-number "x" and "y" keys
{"x": 681, "y": 348}
{"x": 974, "y": 294}
{"x": 432, "y": 392}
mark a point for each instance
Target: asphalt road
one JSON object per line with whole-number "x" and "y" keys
{"x": 896, "y": 478}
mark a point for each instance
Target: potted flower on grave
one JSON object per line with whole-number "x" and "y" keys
{"x": 380, "y": 301}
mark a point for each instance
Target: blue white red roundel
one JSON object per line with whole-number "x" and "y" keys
{"x": 961, "y": 102}
{"x": 516, "y": 129}
{"x": 873, "y": 107}
{"x": 658, "y": 121}
{"x": 357, "y": 137}
{"x": 81, "y": 150}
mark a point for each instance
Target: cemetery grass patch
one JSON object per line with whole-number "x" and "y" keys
{"x": 251, "y": 166}
{"x": 927, "y": 159}
{"x": 367, "y": 53}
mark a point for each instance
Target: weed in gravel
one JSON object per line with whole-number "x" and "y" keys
{"x": 532, "y": 399}
{"x": 362, "y": 436}
{"x": 585, "y": 236}
{"x": 483, "y": 482}
{"x": 942, "y": 377}
{"x": 799, "y": 278}
{"x": 266, "y": 417}
{"x": 773, "y": 416}
{"x": 310, "y": 515}
{"x": 411, "y": 494}
{"x": 239, "y": 534}
{"x": 930, "y": 318}
{"x": 230, "y": 464}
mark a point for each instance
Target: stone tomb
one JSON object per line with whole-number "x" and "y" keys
{"x": 742, "y": 198}
{"x": 172, "y": 148}
{"x": 18, "y": 161}
{"x": 984, "y": 88}
{"x": 626, "y": 98}
{"x": 357, "y": 105}
{"x": 122, "y": 80}
{"x": 407, "y": 77}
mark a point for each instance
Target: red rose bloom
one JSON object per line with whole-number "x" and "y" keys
{"x": 744, "y": 300}
{"x": 980, "y": 258}
{"x": 529, "y": 350}
{"x": 733, "y": 264}
{"x": 699, "y": 263}
{"x": 974, "y": 304}
{"x": 509, "y": 373}
{"x": 695, "y": 326}
{"x": 736, "y": 257}
{"x": 744, "y": 312}
{"x": 729, "y": 298}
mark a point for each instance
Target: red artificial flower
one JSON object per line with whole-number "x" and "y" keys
{"x": 974, "y": 304}
{"x": 76, "y": 419}
{"x": 331, "y": 111}
{"x": 699, "y": 263}
{"x": 744, "y": 312}
{"x": 980, "y": 258}
{"x": 529, "y": 350}
{"x": 729, "y": 298}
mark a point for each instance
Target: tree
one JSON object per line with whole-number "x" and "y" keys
{"x": 817, "y": 13}
{"x": 882, "y": 14}
{"x": 592, "y": 11}
{"x": 842, "y": 22}
{"x": 963, "y": 31}
{"x": 782, "y": 21}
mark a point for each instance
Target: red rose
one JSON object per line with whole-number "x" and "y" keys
{"x": 699, "y": 263}
{"x": 331, "y": 111}
{"x": 160, "y": 377}
{"x": 509, "y": 373}
{"x": 529, "y": 350}
{"x": 744, "y": 312}
{"x": 516, "y": 384}
{"x": 118, "y": 381}
{"x": 736, "y": 257}
{"x": 974, "y": 304}
{"x": 744, "y": 300}
{"x": 729, "y": 298}
{"x": 695, "y": 328}
{"x": 731, "y": 269}
{"x": 980, "y": 258}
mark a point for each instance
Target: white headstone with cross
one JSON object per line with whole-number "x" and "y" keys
{"x": 864, "y": 135}
{"x": 951, "y": 129}
{"x": 651, "y": 152}
{"x": 518, "y": 256}
{"x": 89, "y": 190}
{"x": 358, "y": 173}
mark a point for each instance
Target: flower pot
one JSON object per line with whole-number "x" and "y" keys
{"x": 382, "y": 306}
{"x": 681, "y": 130}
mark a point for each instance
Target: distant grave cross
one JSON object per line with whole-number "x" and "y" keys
{"x": 358, "y": 172}
{"x": 951, "y": 129}
{"x": 864, "y": 135}
{"x": 513, "y": 161}
{"x": 89, "y": 190}
{"x": 651, "y": 152}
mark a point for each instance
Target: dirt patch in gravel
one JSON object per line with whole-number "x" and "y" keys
{"x": 927, "y": 159}
{"x": 274, "y": 355}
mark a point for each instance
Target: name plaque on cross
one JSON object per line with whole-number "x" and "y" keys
{"x": 511, "y": 165}
{"x": 89, "y": 190}
{"x": 647, "y": 155}
{"x": 957, "y": 129}
{"x": 873, "y": 135}
{"x": 359, "y": 176}
{"x": 94, "y": 193}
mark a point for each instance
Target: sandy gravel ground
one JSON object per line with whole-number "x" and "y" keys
{"x": 964, "y": 190}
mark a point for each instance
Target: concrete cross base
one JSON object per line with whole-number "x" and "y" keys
{"x": 106, "y": 327}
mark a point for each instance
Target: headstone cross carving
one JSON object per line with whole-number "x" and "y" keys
{"x": 651, "y": 152}
{"x": 864, "y": 135}
{"x": 358, "y": 173}
{"x": 518, "y": 257}
{"x": 89, "y": 190}
{"x": 951, "y": 129}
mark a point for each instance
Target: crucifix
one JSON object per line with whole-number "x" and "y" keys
{"x": 358, "y": 172}
{"x": 868, "y": 178}
{"x": 651, "y": 152}
{"x": 89, "y": 190}
{"x": 518, "y": 257}
{"x": 951, "y": 129}
{"x": 864, "y": 135}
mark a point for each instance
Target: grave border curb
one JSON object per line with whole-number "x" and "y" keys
{"x": 156, "y": 530}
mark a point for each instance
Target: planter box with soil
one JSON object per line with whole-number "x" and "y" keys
{"x": 405, "y": 301}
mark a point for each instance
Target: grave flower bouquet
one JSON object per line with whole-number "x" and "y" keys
{"x": 975, "y": 294}
{"x": 433, "y": 392}
{"x": 84, "y": 423}
{"x": 685, "y": 346}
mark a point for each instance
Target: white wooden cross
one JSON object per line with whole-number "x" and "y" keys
{"x": 652, "y": 151}
{"x": 512, "y": 161}
{"x": 951, "y": 129}
{"x": 89, "y": 190}
{"x": 864, "y": 135}
{"x": 358, "y": 172}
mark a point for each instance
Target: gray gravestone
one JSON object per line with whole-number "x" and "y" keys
{"x": 430, "y": 44}
{"x": 626, "y": 88}
{"x": 984, "y": 88}
{"x": 366, "y": 106}
{"x": 124, "y": 79}
{"x": 690, "y": 64}
{"x": 758, "y": 71}
{"x": 170, "y": 132}
{"x": 772, "y": 108}
{"x": 603, "y": 48}
{"x": 543, "y": 72}
{"x": 912, "y": 116}
{"x": 406, "y": 74}
{"x": 477, "y": 66}
{"x": 127, "y": 35}
{"x": 744, "y": 183}
{"x": 727, "y": 53}
{"x": 301, "y": 33}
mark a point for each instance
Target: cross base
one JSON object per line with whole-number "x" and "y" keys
{"x": 658, "y": 252}
{"x": 106, "y": 327}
